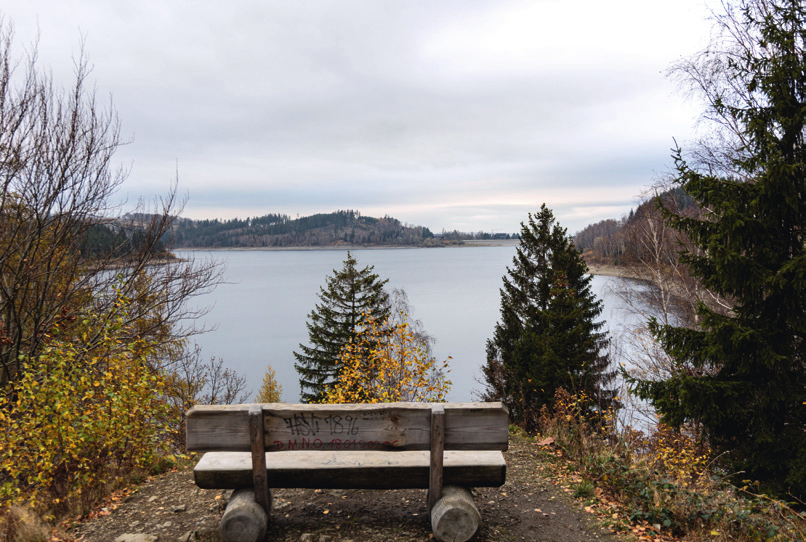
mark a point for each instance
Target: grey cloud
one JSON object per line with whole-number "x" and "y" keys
{"x": 432, "y": 110}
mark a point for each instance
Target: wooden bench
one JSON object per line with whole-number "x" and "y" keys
{"x": 445, "y": 448}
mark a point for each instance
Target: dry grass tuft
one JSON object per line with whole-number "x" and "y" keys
{"x": 20, "y": 524}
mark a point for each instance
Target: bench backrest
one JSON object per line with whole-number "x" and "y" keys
{"x": 382, "y": 427}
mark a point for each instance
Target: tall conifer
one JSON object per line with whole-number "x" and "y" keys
{"x": 743, "y": 374}
{"x": 349, "y": 294}
{"x": 548, "y": 336}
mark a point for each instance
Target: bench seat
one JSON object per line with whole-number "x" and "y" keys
{"x": 351, "y": 469}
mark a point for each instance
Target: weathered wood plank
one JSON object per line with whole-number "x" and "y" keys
{"x": 391, "y": 426}
{"x": 259, "y": 482}
{"x": 351, "y": 470}
{"x": 437, "y": 460}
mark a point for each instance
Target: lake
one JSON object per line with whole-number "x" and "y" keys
{"x": 260, "y": 313}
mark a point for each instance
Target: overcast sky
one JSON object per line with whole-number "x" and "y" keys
{"x": 462, "y": 114}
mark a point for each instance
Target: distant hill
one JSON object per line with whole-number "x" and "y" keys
{"x": 340, "y": 228}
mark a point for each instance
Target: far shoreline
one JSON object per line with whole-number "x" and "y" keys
{"x": 464, "y": 244}
{"x": 603, "y": 270}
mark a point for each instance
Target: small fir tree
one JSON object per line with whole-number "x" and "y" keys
{"x": 348, "y": 295}
{"x": 271, "y": 390}
{"x": 742, "y": 374}
{"x": 548, "y": 336}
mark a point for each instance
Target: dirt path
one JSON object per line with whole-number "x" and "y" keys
{"x": 528, "y": 507}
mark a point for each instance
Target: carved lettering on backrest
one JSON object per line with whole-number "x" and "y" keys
{"x": 394, "y": 426}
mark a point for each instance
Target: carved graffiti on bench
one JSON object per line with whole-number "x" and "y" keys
{"x": 302, "y": 424}
{"x": 333, "y": 444}
{"x": 326, "y": 430}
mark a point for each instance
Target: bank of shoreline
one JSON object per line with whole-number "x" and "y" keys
{"x": 610, "y": 271}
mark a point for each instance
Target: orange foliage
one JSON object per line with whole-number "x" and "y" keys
{"x": 388, "y": 363}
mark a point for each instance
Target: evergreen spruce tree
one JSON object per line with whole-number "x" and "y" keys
{"x": 548, "y": 336}
{"x": 742, "y": 375}
{"x": 349, "y": 294}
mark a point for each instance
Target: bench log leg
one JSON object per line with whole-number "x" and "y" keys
{"x": 455, "y": 517}
{"x": 244, "y": 520}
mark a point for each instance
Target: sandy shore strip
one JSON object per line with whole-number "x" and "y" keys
{"x": 610, "y": 271}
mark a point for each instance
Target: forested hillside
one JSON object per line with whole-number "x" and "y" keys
{"x": 275, "y": 230}
{"x": 626, "y": 240}
{"x": 116, "y": 240}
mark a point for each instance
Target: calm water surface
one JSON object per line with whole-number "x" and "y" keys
{"x": 260, "y": 314}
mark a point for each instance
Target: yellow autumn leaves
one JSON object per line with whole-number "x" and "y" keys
{"x": 271, "y": 390}
{"x": 78, "y": 418}
{"x": 388, "y": 362}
